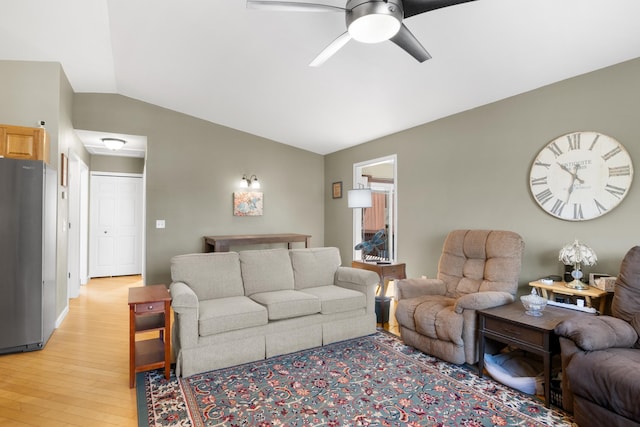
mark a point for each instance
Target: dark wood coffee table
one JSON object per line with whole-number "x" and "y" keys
{"x": 510, "y": 324}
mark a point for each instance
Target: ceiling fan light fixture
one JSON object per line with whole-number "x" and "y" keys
{"x": 374, "y": 28}
{"x": 373, "y": 21}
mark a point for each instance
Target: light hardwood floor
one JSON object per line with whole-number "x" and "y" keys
{"x": 81, "y": 378}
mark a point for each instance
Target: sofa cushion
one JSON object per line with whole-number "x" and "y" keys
{"x": 266, "y": 270}
{"x": 609, "y": 378}
{"x": 230, "y": 314}
{"x": 287, "y": 304}
{"x": 334, "y": 299}
{"x": 210, "y": 275}
{"x": 314, "y": 267}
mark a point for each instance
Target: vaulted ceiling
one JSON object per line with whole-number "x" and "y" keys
{"x": 248, "y": 69}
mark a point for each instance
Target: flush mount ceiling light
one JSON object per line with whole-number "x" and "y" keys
{"x": 113, "y": 144}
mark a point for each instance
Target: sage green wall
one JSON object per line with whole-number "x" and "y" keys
{"x": 117, "y": 164}
{"x": 34, "y": 91}
{"x": 471, "y": 170}
{"x": 192, "y": 169}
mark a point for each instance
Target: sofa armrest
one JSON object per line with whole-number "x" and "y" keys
{"x": 185, "y": 304}
{"x": 360, "y": 280}
{"x": 411, "y": 288}
{"x": 482, "y": 300}
{"x": 597, "y": 332}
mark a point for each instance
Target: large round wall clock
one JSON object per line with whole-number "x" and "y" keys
{"x": 581, "y": 176}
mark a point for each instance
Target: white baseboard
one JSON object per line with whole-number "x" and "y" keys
{"x": 62, "y": 316}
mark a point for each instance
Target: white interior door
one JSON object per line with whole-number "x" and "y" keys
{"x": 116, "y": 225}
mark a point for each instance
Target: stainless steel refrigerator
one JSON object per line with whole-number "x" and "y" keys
{"x": 28, "y": 194}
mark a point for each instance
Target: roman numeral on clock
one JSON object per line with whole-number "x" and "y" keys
{"x": 557, "y": 207}
{"x": 612, "y": 153}
{"x": 574, "y": 141}
{"x": 555, "y": 149}
{"x": 620, "y": 171}
{"x": 577, "y": 211}
{"x": 539, "y": 163}
{"x": 539, "y": 181}
{"x": 615, "y": 191}
{"x": 601, "y": 208}
{"x": 544, "y": 196}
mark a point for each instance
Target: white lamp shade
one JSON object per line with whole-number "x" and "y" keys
{"x": 577, "y": 253}
{"x": 359, "y": 198}
{"x": 374, "y": 28}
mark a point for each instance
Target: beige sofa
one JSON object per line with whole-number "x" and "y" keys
{"x": 233, "y": 308}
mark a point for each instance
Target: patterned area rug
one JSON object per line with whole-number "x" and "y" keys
{"x": 369, "y": 381}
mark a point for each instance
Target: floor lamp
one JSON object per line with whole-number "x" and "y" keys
{"x": 360, "y": 198}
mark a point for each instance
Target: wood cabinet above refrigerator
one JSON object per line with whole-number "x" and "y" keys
{"x": 18, "y": 142}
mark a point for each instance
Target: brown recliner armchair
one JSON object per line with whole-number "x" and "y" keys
{"x": 478, "y": 269}
{"x": 601, "y": 357}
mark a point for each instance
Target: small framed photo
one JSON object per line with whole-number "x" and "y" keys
{"x": 64, "y": 169}
{"x": 336, "y": 190}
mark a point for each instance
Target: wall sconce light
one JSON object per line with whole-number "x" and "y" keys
{"x": 113, "y": 144}
{"x": 251, "y": 182}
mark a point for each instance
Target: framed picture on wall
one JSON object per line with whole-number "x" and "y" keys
{"x": 247, "y": 203}
{"x": 337, "y": 190}
{"x": 64, "y": 169}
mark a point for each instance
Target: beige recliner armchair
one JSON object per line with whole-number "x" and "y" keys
{"x": 478, "y": 269}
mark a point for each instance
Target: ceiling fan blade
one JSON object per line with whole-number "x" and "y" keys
{"x": 330, "y": 50}
{"x": 292, "y": 6}
{"x": 416, "y": 7}
{"x": 407, "y": 41}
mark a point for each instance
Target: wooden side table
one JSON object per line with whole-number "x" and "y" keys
{"x": 149, "y": 311}
{"x": 549, "y": 290}
{"x": 509, "y": 324}
{"x": 387, "y": 272}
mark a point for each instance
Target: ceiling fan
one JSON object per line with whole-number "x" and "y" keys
{"x": 368, "y": 21}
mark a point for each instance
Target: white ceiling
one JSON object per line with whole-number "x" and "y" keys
{"x": 248, "y": 69}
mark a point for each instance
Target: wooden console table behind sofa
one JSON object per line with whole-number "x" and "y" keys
{"x": 222, "y": 243}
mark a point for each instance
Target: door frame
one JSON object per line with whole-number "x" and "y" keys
{"x": 77, "y": 225}
{"x": 391, "y": 189}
